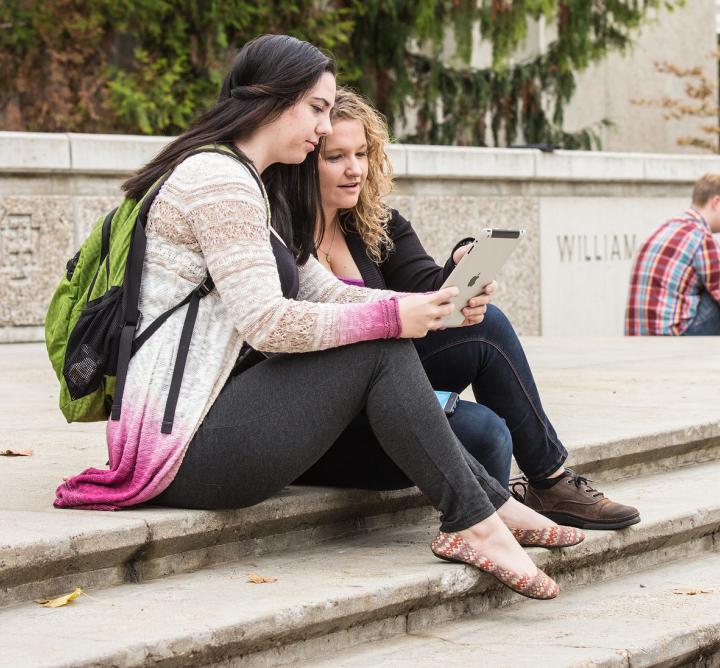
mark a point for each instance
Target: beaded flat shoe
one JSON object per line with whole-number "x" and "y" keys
{"x": 452, "y": 547}
{"x": 550, "y": 537}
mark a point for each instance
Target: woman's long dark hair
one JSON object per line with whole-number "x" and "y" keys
{"x": 270, "y": 74}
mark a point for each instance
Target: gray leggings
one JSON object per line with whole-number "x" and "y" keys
{"x": 272, "y": 422}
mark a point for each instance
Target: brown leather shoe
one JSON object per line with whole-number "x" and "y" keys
{"x": 573, "y": 502}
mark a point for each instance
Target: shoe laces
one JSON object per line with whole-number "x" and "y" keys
{"x": 582, "y": 481}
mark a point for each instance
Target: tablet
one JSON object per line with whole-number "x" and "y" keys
{"x": 478, "y": 267}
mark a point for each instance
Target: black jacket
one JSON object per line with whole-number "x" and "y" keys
{"x": 407, "y": 268}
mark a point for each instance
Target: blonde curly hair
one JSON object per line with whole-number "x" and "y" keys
{"x": 370, "y": 214}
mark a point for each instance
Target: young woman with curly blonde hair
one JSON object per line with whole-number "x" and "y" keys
{"x": 365, "y": 243}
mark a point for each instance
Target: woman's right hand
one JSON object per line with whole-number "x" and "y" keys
{"x": 423, "y": 313}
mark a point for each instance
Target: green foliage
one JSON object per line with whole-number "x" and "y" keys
{"x": 150, "y": 66}
{"x": 507, "y": 100}
{"x": 144, "y": 66}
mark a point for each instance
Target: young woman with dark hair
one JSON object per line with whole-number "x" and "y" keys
{"x": 247, "y": 426}
{"x": 366, "y": 243}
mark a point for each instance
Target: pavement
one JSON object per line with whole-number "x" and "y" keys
{"x": 595, "y": 391}
{"x": 356, "y": 584}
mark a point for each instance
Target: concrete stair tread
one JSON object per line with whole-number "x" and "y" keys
{"x": 597, "y": 391}
{"x": 642, "y": 619}
{"x": 608, "y": 399}
{"x": 199, "y": 617}
{"x": 38, "y": 548}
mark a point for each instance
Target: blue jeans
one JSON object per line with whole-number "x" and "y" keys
{"x": 707, "y": 319}
{"x": 490, "y": 358}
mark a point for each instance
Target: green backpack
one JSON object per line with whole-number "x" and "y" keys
{"x": 92, "y": 320}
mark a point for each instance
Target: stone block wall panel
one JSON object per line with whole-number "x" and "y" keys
{"x": 54, "y": 187}
{"x": 36, "y": 241}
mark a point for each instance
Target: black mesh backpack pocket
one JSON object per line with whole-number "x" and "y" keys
{"x": 93, "y": 345}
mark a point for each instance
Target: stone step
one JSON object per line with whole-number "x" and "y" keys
{"x": 42, "y": 551}
{"x": 344, "y": 592}
{"x": 665, "y": 616}
{"x": 609, "y": 400}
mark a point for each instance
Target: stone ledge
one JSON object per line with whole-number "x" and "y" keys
{"x": 590, "y": 166}
{"x": 34, "y": 152}
{"x": 350, "y": 583}
{"x": 27, "y": 152}
{"x": 455, "y": 162}
{"x": 22, "y": 334}
{"x": 112, "y": 154}
{"x": 634, "y": 621}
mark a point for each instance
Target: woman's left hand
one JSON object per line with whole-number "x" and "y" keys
{"x": 475, "y": 309}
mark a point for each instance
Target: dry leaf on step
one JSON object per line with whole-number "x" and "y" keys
{"x": 260, "y": 579}
{"x": 16, "y": 453}
{"x": 692, "y": 592}
{"x": 61, "y": 600}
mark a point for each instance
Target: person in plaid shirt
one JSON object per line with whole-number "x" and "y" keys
{"x": 675, "y": 280}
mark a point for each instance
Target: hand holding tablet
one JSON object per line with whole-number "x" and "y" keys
{"x": 479, "y": 267}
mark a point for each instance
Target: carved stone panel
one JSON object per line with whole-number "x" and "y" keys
{"x": 88, "y": 210}
{"x": 588, "y": 246}
{"x": 36, "y": 240}
{"x": 19, "y": 241}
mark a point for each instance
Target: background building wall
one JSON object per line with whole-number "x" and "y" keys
{"x": 687, "y": 38}
{"x": 585, "y": 214}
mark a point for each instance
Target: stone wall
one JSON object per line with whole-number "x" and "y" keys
{"x": 585, "y": 215}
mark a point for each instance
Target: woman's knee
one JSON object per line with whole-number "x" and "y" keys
{"x": 494, "y": 318}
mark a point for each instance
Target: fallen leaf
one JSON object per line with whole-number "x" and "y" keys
{"x": 692, "y": 592}
{"x": 16, "y": 453}
{"x": 260, "y": 579}
{"x": 61, "y": 600}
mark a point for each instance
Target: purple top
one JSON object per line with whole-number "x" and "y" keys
{"x": 358, "y": 282}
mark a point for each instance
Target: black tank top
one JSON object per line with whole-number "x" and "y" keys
{"x": 287, "y": 268}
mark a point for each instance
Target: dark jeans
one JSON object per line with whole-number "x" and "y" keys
{"x": 490, "y": 358}
{"x": 707, "y": 319}
{"x": 275, "y": 420}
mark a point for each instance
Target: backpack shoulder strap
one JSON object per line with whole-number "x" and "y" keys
{"x": 131, "y": 296}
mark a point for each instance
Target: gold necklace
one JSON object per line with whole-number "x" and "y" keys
{"x": 329, "y": 250}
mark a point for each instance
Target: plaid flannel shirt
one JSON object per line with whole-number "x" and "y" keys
{"x": 679, "y": 260}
